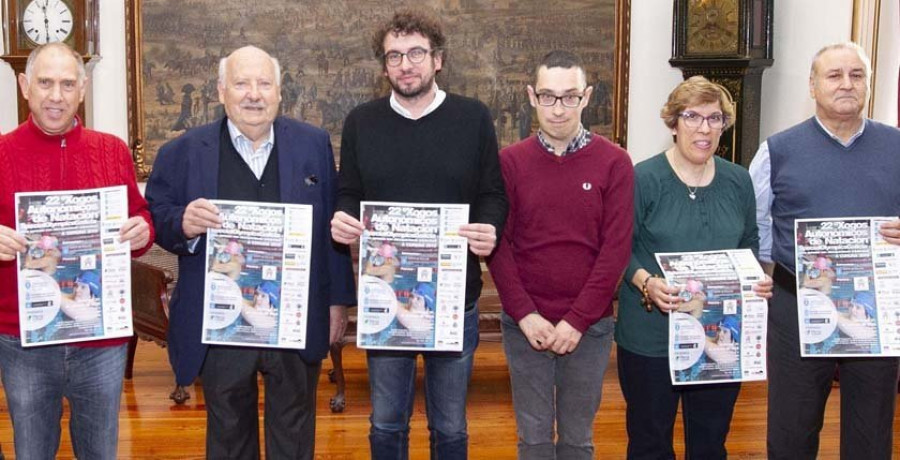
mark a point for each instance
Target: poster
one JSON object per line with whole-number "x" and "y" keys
{"x": 848, "y": 288}
{"x": 74, "y": 278}
{"x": 718, "y": 333}
{"x": 257, "y": 275}
{"x": 412, "y": 276}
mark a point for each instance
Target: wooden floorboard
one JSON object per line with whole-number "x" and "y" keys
{"x": 153, "y": 427}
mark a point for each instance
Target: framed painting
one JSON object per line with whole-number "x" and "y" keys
{"x": 328, "y": 66}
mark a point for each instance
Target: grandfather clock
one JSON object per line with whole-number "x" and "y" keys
{"x": 730, "y": 43}
{"x": 28, "y": 24}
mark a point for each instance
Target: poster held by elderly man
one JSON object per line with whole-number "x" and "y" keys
{"x": 412, "y": 276}
{"x": 75, "y": 277}
{"x": 718, "y": 332}
{"x": 257, "y": 275}
{"x": 848, "y": 288}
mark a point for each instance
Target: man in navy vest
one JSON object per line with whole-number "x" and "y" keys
{"x": 835, "y": 164}
{"x": 250, "y": 156}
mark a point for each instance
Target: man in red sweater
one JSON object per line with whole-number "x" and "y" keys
{"x": 53, "y": 151}
{"x": 565, "y": 245}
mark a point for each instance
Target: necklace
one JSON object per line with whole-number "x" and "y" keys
{"x": 691, "y": 193}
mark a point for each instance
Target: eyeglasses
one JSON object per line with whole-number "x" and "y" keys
{"x": 568, "y": 100}
{"x": 694, "y": 120}
{"x": 415, "y": 56}
{"x": 377, "y": 260}
{"x": 36, "y": 252}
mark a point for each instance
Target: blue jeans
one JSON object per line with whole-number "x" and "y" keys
{"x": 550, "y": 391}
{"x": 37, "y": 379}
{"x": 392, "y": 379}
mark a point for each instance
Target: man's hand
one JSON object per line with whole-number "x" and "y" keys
{"x": 567, "y": 338}
{"x": 345, "y": 229}
{"x": 764, "y": 287}
{"x": 891, "y": 231}
{"x": 199, "y": 215}
{"x": 337, "y": 324}
{"x": 11, "y": 243}
{"x": 137, "y": 231}
{"x": 539, "y": 332}
{"x": 482, "y": 238}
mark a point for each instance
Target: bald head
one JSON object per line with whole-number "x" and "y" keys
{"x": 250, "y": 90}
{"x": 60, "y": 50}
{"x": 54, "y": 86}
{"x": 250, "y": 52}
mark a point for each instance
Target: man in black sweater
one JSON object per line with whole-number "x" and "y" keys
{"x": 426, "y": 146}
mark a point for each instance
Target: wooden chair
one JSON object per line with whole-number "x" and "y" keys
{"x": 152, "y": 280}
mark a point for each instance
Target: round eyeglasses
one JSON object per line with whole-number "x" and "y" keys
{"x": 415, "y": 56}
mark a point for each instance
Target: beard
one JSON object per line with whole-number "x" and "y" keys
{"x": 414, "y": 91}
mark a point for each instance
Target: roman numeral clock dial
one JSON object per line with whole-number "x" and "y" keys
{"x": 47, "y": 21}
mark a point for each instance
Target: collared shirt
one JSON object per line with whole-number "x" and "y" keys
{"x": 761, "y": 174}
{"x": 581, "y": 139}
{"x": 256, "y": 159}
{"x": 439, "y": 96}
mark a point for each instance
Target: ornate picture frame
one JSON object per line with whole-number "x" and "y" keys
{"x": 328, "y": 66}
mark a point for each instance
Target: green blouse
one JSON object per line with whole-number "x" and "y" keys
{"x": 666, "y": 219}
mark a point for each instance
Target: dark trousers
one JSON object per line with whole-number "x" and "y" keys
{"x": 652, "y": 405}
{"x": 799, "y": 389}
{"x": 232, "y": 416}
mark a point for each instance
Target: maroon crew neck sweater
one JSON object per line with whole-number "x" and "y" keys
{"x": 567, "y": 239}
{"x": 32, "y": 161}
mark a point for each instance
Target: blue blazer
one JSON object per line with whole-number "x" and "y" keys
{"x": 187, "y": 168}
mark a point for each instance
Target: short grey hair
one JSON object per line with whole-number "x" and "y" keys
{"x": 223, "y": 66}
{"x": 843, "y": 46}
{"x": 79, "y": 61}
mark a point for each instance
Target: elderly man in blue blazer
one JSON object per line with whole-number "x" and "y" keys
{"x": 251, "y": 155}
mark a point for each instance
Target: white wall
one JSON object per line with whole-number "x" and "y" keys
{"x": 888, "y": 64}
{"x": 651, "y": 79}
{"x": 801, "y": 27}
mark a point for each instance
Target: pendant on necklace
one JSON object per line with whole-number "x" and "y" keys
{"x": 693, "y": 195}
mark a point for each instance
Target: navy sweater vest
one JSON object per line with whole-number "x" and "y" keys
{"x": 815, "y": 176}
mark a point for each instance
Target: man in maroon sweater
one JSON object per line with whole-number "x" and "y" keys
{"x": 564, "y": 248}
{"x": 53, "y": 151}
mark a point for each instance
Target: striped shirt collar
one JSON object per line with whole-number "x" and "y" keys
{"x": 578, "y": 142}
{"x": 439, "y": 96}
{"x": 853, "y": 138}
{"x": 255, "y": 159}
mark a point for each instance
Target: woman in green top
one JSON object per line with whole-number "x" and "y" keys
{"x": 686, "y": 199}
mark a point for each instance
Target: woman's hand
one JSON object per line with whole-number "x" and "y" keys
{"x": 662, "y": 295}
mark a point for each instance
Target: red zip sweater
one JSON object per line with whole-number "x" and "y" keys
{"x": 567, "y": 237}
{"x": 32, "y": 161}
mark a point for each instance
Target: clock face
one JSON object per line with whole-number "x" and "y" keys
{"x": 712, "y": 27}
{"x": 47, "y": 21}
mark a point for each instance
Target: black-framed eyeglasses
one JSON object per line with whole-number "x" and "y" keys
{"x": 568, "y": 100}
{"x": 694, "y": 120}
{"x": 416, "y": 56}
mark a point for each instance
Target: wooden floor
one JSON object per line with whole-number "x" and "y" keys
{"x": 152, "y": 427}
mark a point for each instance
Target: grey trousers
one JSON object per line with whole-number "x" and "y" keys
{"x": 799, "y": 389}
{"x": 548, "y": 389}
